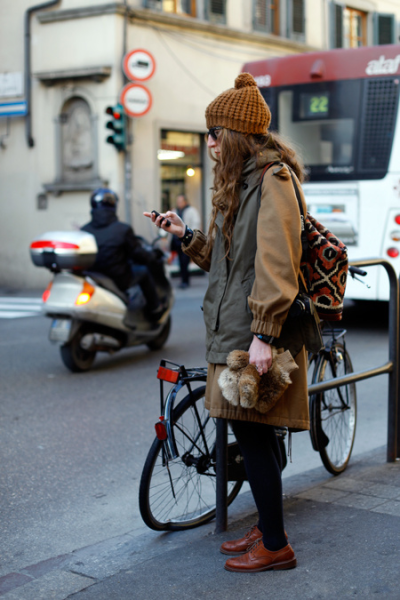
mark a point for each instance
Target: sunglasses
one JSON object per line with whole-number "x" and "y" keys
{"x": 214, "y": 132}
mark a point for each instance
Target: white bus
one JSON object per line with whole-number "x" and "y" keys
{"x": 340, "y": 108}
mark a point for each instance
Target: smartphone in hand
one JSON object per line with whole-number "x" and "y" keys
{"x": 157, "y": 214}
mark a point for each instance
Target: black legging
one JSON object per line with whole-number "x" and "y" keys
{"x": 263, "y": 462}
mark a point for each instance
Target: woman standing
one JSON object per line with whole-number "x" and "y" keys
{"x": 252, "y": 253}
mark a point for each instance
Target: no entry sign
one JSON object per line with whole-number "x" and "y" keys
{"x": 136, "y": 99}
{"x": 139, "y": 65}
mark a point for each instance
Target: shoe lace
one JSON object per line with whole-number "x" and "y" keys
{"x": 255, "y": 545}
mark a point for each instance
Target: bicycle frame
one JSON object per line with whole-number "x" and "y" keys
{"x": 181, "y": 377}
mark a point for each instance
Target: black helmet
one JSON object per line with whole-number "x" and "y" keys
{"x": 103, "y": 197}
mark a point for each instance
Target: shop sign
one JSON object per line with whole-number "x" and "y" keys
{"x": 139, "y": 65}
{"x": 13, "y": 109}
{"x": 136, "y": 99}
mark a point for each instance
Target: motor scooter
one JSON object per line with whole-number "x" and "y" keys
{"x": 89, "y": 312}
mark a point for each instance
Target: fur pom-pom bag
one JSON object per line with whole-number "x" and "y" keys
{"x": 241, "y": 384}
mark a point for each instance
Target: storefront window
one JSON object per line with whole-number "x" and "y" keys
{"x": 181, "y": 166}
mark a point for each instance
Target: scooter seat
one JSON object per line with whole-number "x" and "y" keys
{"x": 108, "y": 284}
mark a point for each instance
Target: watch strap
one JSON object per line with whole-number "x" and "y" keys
{"x": 267, "y": 339}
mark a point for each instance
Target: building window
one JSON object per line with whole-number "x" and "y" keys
{"x": 384, "y": 29}
{"x": 354, "y": 28}
{"x": 216, "y": 11}
{"x": 266, "y": 16}
{"x": 296, "y": 28}
{"x": 179, "y": 7}
{"x": 349, "y": 27}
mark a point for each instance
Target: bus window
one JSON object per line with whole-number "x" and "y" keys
{"x": 321, "y": 125}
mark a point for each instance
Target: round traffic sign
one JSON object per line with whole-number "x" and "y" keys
{"x": 136, "y": 99}
{"x": 139, "y": 65}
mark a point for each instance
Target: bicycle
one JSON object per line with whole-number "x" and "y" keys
{"x": 177, "y": 487}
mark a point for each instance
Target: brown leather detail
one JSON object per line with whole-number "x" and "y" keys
{"x": 236, "y": 547}
{"x": 260, "y": 559}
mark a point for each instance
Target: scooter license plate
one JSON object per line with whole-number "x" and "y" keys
{"x": 60, "y": 330}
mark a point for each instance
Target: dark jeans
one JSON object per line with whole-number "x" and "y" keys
{"x": 263, "y": 462}
{"x": 184, "y": 261}
{"x": 143, "y": 277}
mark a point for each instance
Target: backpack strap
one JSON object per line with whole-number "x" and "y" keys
{"x": 304, "y": 241}
{"x": 261, "y": 180}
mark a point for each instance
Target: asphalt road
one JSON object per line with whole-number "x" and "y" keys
{"x": 72, "y": 446}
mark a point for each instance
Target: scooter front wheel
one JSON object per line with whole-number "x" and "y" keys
{"x": 159, "y": 341}
{"x": 76, "y": 358}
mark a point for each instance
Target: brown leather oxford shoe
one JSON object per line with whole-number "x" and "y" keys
{"x": 236, "y": 547}
{"x": 258, "y": 558}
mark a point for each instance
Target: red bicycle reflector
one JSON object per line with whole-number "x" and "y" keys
{"x": 397, "y": 219}
{"x": 161, "y": 431}
{"x": 167, "y": 375}
{"x": 85, "y": 295}
{"x": 46, "y": 293}
{"x": 41, "y": 244}
{"x": 392, "y": 252}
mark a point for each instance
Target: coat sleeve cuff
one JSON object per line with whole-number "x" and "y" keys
{"x": 266, "y": 328}
{"x": 196, "y": 245}
{"x": 196, "y": 250}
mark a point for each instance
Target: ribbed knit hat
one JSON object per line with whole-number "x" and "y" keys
{"x": 241, "y": 108}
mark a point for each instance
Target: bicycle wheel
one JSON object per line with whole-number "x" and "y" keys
{"x": 181, "y": 494}
{"x": 334, "y": 412}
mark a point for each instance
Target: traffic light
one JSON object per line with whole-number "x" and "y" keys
{"x": 117, "y": 125}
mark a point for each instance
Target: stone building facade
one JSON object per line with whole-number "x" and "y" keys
{"x": 60, "y": 73}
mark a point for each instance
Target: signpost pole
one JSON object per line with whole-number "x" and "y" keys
{"x": 127, "y": 149}
{"x": 137, "y": 65}
{"x": 128, "y": 182}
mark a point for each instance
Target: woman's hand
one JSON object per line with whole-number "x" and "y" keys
{"x": 177, "y": 226}
{"x": 260, "y": 355}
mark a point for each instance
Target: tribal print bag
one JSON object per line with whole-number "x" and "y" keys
{"x": 324, "y": 266}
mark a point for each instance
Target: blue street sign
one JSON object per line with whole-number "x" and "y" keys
{"x": 13, "y": 109}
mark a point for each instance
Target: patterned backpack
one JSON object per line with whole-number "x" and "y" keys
{"x": 324, "y": 262}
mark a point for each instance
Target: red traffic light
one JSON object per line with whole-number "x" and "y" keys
{"x": 115, "y": 111}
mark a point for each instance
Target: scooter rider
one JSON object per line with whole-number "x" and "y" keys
{"x": 120, "y": 253}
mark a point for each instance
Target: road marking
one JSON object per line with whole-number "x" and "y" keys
{"x": 16, "y": 308}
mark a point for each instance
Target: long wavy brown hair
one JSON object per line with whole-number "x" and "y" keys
{"x": 236, "y": 148}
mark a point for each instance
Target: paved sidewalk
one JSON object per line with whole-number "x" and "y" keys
{"x": 345, "y": 532}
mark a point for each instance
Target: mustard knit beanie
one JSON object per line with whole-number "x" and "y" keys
{"x": 241, "y": 108}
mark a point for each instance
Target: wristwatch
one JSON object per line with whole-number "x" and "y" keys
{"x": 267, "y": 339}
{"x": 188, "y": 236}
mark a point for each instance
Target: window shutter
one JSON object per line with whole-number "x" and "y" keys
{"x": 216, "y": 11}
{"x": 385, "y": 29}
{"x": 298, "y": 16}
{"x": 336, "y": 25}
{"x": 262, "y": 15}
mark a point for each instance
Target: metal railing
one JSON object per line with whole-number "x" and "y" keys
{"x": 391, "y": 368}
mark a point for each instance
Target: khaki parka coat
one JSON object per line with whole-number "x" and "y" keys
{"x": 252, "y": 290}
